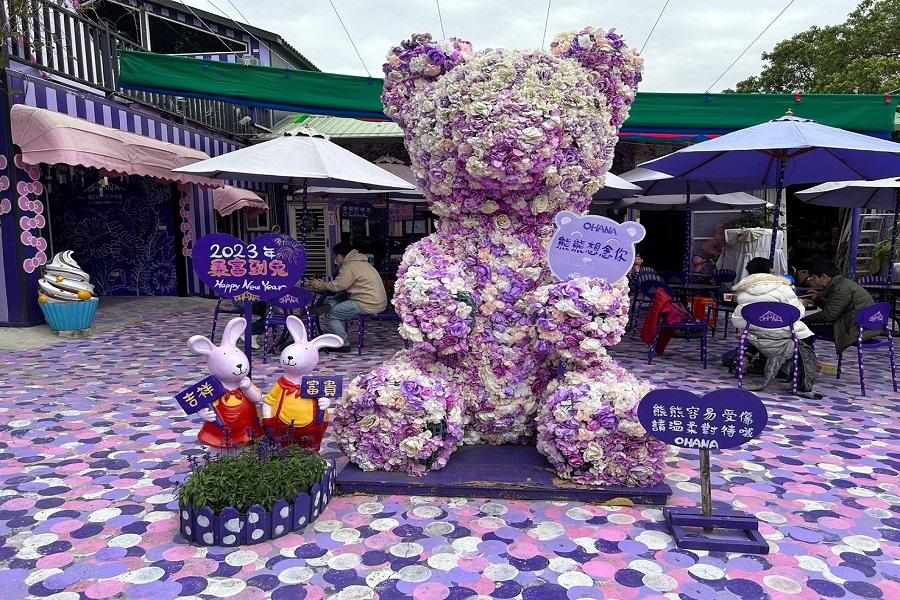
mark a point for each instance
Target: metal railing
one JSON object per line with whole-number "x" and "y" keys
{"x": 55, "y": 39}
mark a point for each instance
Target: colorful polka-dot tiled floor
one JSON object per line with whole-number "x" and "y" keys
{"x": 91, "y": 450}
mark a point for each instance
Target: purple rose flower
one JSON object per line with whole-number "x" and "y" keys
{"x": 459, "y": 329}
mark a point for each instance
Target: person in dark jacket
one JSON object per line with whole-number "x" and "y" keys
{"x": 840, "y": 300}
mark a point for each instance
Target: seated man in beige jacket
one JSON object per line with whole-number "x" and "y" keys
{"x": 361, "y": 281}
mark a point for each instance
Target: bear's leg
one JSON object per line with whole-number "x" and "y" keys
{"x": 588, "y": 428}
{"x": 407, "y": 415}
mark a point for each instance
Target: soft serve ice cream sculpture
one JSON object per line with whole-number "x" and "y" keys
{"x": 501, "y": 141}
{"x": 64, "y": 281}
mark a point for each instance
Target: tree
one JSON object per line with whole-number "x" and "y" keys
{"x": 859, "y": 56}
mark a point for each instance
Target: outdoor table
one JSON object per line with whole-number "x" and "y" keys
{"x": 692, "y": 290}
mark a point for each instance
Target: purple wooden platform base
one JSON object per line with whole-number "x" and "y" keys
{"x": 510, "y": 472}
{"x": 733, "y": 531}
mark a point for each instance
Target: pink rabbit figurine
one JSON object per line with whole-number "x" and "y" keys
{"x": 291, "y": 416}
{"x": 236, "y": 408}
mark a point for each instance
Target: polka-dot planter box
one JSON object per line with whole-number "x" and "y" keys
{"x": 232, "y": 528}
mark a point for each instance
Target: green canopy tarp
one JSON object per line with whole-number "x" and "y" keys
{"x": 661, "y": 117}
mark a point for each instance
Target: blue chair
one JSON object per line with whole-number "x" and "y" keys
{"x": 769, "y": 315}
{"x": 689, "y": 326}
{"x": 274, "y": 325}
{"x": 873, "y": 318}
{"x": 644, "y": 295}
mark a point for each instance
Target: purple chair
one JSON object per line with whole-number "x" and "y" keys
{"x": 645, "y": 295}
{"x": 229, "y": 309}
{"x": 873, "y": 318}
{"x": 769, "y": 315}
{"x": 274, "y": 326}
{"x": 701, "y": 327}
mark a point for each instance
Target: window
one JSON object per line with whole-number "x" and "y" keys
{"x": 259, "y": 221}
{"x": 123, "y": 20}
{"x": 172, "y": 37}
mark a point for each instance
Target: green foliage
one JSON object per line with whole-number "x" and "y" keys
{"x": 258, "y": 474}
{"x": 754, "y": 218}
{"x": 859, "y": 56}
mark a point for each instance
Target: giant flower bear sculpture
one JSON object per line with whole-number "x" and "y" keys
{"x": 504, "y": 352}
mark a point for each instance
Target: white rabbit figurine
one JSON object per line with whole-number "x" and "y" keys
{"x": 237, "y": 408}
{"x": 291, "y": 416}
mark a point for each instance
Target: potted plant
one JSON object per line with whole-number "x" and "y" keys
{"x": 262, "y": 491}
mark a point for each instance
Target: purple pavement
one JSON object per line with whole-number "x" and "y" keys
{"x": 92, "y": 446}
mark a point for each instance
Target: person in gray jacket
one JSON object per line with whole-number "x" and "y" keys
{"x": 840, "y": 300}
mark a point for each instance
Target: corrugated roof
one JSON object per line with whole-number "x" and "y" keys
{"x": 333, "y": 127}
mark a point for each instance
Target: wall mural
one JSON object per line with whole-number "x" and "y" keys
{"x": 184, "y": 211}
{"x": 25, "y": 189}
{"x": 122, "y": 231}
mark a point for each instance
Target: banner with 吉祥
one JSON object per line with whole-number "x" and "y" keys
{"x": 721, "y": 419}
{"x": 200, "y": 395}
{"x": 264, "y": 269}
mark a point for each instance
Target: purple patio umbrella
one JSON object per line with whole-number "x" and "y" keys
{"x": 655, "y": 183}
{"x": 788, "y": 150}
{"x": 881, "y": 193}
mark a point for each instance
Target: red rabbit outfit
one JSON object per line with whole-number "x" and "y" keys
{"x": 238, "y": 416}
{"x": 293, "y": 416}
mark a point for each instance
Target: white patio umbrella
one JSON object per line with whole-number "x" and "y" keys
{"x": 788, "y": 150}
{"x": 615, "y": 188}
{"x": 655, "y": 183}
{"x": 880, "y": 193}
{"x": 298, "y": 160}
{"x": 732, "y": 201}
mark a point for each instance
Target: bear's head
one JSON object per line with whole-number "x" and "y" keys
{"x": 525, "y": 134}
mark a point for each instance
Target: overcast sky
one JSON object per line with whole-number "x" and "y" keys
{"x": 694, "y": 41}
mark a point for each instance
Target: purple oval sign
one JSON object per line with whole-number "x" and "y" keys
{"x": 294, "y": 299}
{"x": 593, "y": 246}
{"x": 720, "y": 419}
{"x": 266, "y": 268}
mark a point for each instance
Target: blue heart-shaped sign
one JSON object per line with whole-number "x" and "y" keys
{"x": 266, "y": 268}
{"x": 721, "y": 419}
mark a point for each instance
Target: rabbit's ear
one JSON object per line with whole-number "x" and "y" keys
{"x": 233, "y": 331}
{"x": 329, "y": 340}
{"x": 297, "y": 328}
{"x": 199, "y": 344}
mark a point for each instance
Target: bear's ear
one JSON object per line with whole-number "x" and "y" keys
{"x": 635, "y": 231}
{"x": 565, "y": 217}
{"x": 414, "y": 64}
{"x": 615, "y": 68}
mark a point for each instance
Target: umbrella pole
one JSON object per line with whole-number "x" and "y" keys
{"x": 894, "y": 233}
{"x": 776, "y": 218}
{"x": 854, "y": 241}
{"x": 305, "y": 211}
{"x": 387, "y": 235}
{"x": 688, "y": 235}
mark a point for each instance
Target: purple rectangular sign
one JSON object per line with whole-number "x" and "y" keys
{"x": 263, "y": 269}
{"x": 322, "y": 386}
{"x": 721, "y": 419}
{"x": 357, "y": 211}
{"x": 200, "y": 395}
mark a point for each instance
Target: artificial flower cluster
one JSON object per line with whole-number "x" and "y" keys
{"x": 407, "y": 415}
{"x": 500, "y": 141}
{"x": 589, "y": 430}
{"x": 581, "y": 317}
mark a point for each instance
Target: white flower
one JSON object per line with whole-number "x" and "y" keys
{"x": 482, "y": 109}
{"x": 531, "y": 135}
{"x": 593, "y": 453}
{"x": 368, "y": 423}
{"x": 411, "y": 446}
{"x": 591, "y": 345}
{"x": 584, "y": 41}
{"x": 540, "y": 205}
{"x": 489, "y": 207}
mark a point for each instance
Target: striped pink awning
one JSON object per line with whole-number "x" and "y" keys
{"x": 229, "y": 199}
{"x": 53, "y": 138}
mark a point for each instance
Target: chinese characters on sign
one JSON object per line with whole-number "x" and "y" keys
{"x": 357, "y": 211}
{"x": 721, "y": 419}
{"x": 322, "y": 386}
{"x": 264, "y": 269}
{"x": 592, "y": 246}
{"x": 200, "y": 395}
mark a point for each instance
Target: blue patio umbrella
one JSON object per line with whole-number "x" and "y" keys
{"x": 656, "y": 183}
{"x": 881, "y": 193}
{"x": 788, "y": 150}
